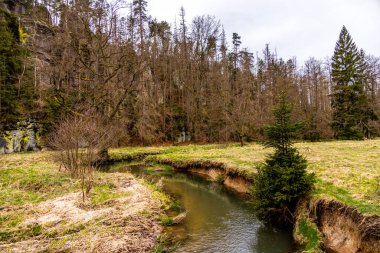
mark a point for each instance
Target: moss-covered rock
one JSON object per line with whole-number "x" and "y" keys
{"x": 25, "y": 136}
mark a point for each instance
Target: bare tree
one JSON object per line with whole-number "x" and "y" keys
{"x": 79, "y": 138}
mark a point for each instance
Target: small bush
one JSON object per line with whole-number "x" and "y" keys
{"x": 83, "y": 141}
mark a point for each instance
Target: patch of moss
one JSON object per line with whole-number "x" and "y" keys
{"x": 38, "y": 139}
{"x": 8, "y": 140}
{"x": 309, "y": 236}
{"x": 166, "y": 221}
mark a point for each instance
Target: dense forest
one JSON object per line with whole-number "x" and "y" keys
{"x": 164, "y": 82}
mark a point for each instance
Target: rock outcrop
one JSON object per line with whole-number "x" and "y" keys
{"x": 23, "y": 137}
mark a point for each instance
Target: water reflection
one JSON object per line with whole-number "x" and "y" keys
{"x": 218, "y": 221}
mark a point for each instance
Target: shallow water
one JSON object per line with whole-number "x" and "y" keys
{"x": 217, "y": 220}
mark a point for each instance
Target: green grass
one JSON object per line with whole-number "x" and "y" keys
{"x": 161, "y": 170}
{"x": 327, "y": 189}
{"x": 28, "y": 178}
{"x": 10, "y": 220}
{"x": 166, "y": 221}
{"x": 105, "y": 192}
{"x": 18, "y": 234}
{"x": 123, "y": 153}
{"x": 166, "y": 202}
{"x": 165, "y": 243}
{"x": 73, "y": 229}
{"x": 20, "y": 186}
{"x": 348, "y": 171}
{"x": 309, "y": 235}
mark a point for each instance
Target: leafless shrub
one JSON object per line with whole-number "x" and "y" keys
{"x": 82, "y": 141}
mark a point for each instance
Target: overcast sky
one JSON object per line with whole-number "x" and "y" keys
{"x": 300, "y": 28}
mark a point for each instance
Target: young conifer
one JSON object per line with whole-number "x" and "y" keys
{"x": 283, "y": 178}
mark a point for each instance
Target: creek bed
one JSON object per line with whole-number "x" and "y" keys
{"x": 217, "y": 219}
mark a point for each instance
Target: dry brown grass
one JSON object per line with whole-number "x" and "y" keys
{"x": 22, "y": 160}
{"x": 41, "y": 210}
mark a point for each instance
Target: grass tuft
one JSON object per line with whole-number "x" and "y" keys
{"x": 104, "y": 192}
{"x": 166, "y": 221}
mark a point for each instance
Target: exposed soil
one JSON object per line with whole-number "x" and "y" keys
{"x": 231, "y": 178}
{"x": 345, "y": 229}
{"x": 211, "y": 173}
{"x": 126, "y": 224}
{"x": 238, "y": 183}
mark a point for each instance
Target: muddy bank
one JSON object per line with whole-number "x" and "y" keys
{"x": 232, "y": 178}
{"x": 344, "y": 228}
{"x": 233, "y": 182}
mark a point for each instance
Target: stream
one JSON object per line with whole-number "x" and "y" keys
{"x": 218, "y": 220}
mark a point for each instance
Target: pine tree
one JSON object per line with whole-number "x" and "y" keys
{"x": 352, "y": 111}
{"x": 283, "y": 179}
{"x": 234, "y": 56}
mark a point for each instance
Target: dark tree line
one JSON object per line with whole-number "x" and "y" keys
{"x": 157, "y": 80}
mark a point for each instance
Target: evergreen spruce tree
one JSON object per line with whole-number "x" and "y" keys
{"x": 283, "y": 179}
{"x": 234, "y": 56}
{"x": 352, "y": 111}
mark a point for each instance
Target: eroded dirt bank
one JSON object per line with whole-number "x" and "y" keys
{"x": 231, "y": 178}
{"x": 128, "y": 223}
{"x": 345, "y": 229}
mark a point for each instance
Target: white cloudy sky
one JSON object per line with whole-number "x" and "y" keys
{"x": 301, "y": 28}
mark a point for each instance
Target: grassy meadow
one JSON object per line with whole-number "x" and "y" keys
{"x": 30, "y": 178}
{"x": 348, "y": 171}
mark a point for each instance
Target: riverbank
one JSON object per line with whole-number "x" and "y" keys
{"x": 41, "y": 209}
{"x": 342, "y": 213}
{"x": 39, "y": 203}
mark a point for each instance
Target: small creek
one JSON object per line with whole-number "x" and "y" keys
{"x": 217, "y": 220}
